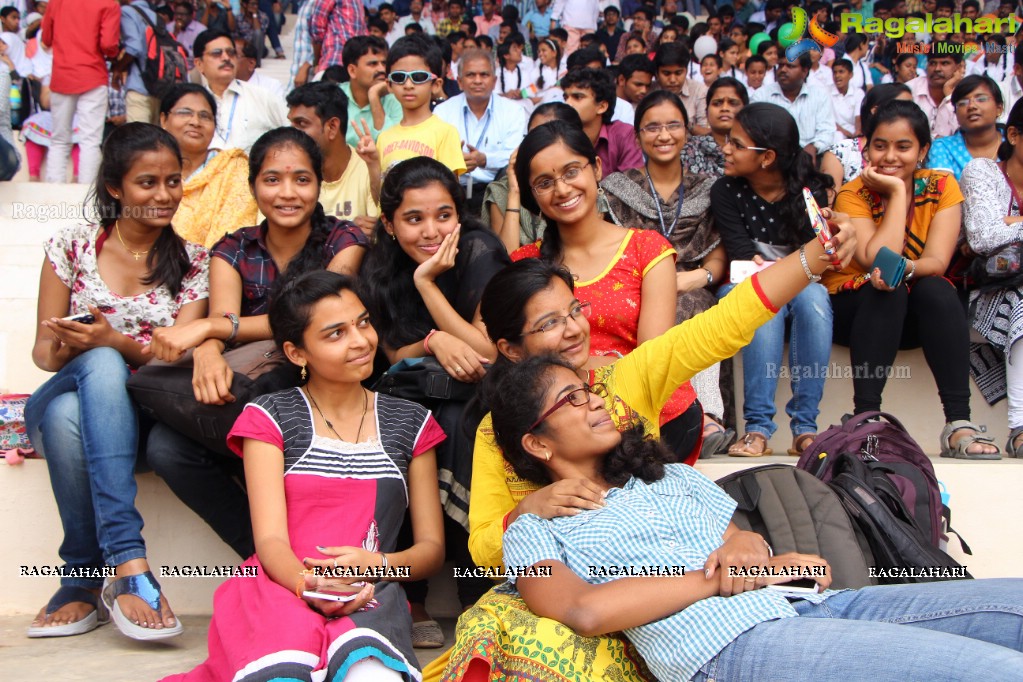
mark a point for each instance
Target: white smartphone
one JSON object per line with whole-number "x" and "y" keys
{"x": 741, "y": 270}
{"x": 330, "y": 595}
{"x": 84, "y": 318}
{"x": 802, "y": 586}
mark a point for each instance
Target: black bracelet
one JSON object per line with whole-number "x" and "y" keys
{"x": 512, "y": 210}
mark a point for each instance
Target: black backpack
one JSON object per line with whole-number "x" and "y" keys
{"x": 795, "y": 512}
{"x": 902, "y": 552}
{"x": 166, "y": 60}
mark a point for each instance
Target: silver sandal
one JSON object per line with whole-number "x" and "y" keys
{"x": 1014, "y": 450}
{"x": 960, "y": 449}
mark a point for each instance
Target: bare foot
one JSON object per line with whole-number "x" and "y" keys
{"x": 419, "y": 613}
{"x": 72, "y": 612}
{"x": 138, "y": 611}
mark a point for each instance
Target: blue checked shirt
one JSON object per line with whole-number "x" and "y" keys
{"x": 303, "y": 42}
{"x": 677, "y": 521}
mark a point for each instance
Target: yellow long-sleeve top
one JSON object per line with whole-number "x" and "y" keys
{"x": 638, "y": 386}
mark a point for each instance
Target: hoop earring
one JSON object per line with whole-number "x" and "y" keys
{"x": 304, "y": 374}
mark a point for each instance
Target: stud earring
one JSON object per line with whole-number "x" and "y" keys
{"x": 547, "y": 455}
{"x": 304, "y": 374}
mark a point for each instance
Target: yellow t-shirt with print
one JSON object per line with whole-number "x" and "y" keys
{"x": 433, "y": 138}
{"x": 350, "y": 195}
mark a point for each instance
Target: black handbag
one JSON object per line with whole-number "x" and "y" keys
{"x": 424, "y": 381}
{"x": 164, "y": 392}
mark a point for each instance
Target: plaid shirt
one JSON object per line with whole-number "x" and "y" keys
{"x": 245, "y": 251}
{"x": 676, "y": 521}
{"x": 115, "y": 100}
{"x": 332, "y": 23}
{"x": 246, "y": 30}
{"x": 303, "y": 41}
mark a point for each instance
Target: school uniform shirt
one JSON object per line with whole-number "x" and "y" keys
{"x": 497, "y": 133}
{"x": 624, "y": 112}
{"x": 823, "y": 78}
{"x": 1012, "y": 91}
{"x": 997, "y": 71}
{"x": 811, "y": 109}
{"x": 433, "y": 138}
{"x": 734, "y": 72}
{"x": 350, "y": 195}
{"x": 846, "y": 107}
{"x": 244, "y": 113}
{"x": 861, "y": 76}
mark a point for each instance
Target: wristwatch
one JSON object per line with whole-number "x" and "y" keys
{"x": 234, "y": 327}
{"x": 710, "y": 277}
{"x": 806, "y": 266}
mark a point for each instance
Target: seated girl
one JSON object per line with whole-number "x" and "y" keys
{"x": 530, "y": 296}
{"x": 285, "y": 174}
{"x": 422, "y": 282}
{"x": 702, "y": 153}
{"x": 331, "y": 468}
{"x": 663, "y": 198}
{"x": 760, "y": 213}
{"x": 121, "y": 279}
{"x": 626, "y": 274}
{"x": 978, "y": 105}
{"x": 216, "y": 199}
{"x": 704, "y": 625}
{"x": 916, "y": 213}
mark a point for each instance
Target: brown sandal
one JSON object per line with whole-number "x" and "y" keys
{"x": 800, "y": 443}
{"x": 753, "y": 444}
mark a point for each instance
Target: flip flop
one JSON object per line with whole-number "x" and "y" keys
{"x": 744, "y": 448}
{"x": 145, "y": 587}
{"x": 68, "y": 594}
{"x": 801, "y": 443}
{"x": 715, "y": 441}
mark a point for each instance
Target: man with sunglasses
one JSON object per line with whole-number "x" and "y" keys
{"x": 244, "y": 111}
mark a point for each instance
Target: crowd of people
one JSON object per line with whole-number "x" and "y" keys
{"x": 551, "y": 223}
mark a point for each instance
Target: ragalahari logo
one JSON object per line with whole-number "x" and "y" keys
{"x": 791, "y": 35}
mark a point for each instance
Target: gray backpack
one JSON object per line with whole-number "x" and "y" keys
{"x": 795, "y": 512}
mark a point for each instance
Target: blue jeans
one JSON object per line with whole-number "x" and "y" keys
{"x": 809, "y": 353}
{"x": 83, "y": 422}
{"x": 959, "y": 630}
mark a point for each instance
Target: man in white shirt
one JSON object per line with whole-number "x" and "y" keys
{"x": 417, "y": 17}
{"x": 244, "y": 111}
{"x": 845, "y": 99}
{"x": 491, "y": 127}
{"x": 578, "y": 17}
{"x": 387, "y": 15}
{"x": 811, "y": 107}
{"x": 246, "y": 69}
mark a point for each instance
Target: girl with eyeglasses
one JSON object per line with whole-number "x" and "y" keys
{"x": 662, "y": 198}
{"x": 916, "y": 213}
{"x": 759, "y": 211}
{"x": 331, "y": 468}
{"x": 627, "y": 274}
{"x": 422, "y": 282}
{"x": 978, "y": 104}
{"x": 534, "y": 310}
{"x": 655, "y": 520}
{"x": 216, "y": 199}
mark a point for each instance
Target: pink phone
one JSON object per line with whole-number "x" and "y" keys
{"x": 819, "y": 224}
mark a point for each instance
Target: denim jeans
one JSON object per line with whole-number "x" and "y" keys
{"x": 206, "y": 482}
{"x": 959, "y": 630}
{"x": 809, "y": 353}
{"x": 84, "y": 424}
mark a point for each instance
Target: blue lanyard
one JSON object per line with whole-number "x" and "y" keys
{"x": 486, "y": 122}
{"x": 666, "y": 231}
{"x": 230, "y": 121}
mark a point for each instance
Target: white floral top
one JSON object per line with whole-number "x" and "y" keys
{"x": 72, "y": 254}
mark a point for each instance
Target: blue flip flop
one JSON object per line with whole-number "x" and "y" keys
{"x": 67, "y": 594}
{"x": 145, "y": 587}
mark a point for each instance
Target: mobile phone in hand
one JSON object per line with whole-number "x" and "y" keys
{"x": 819, "y": 224}
{"x": 84, "y": 318}
{"x": 331, "y": 595}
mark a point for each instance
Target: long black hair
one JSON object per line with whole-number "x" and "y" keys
{"x": 536, "y": 141}
{"x": 385, "y": 281}
{"x": 167, "y": 261}
{"x": 1015, "y": 120}
{"x": 772, "y": 127}
{"x": 553, "y": 44}
{"x": 655, "y": 98}
{"x": 292, "y": 307}
{"x": 878, "y": 96}
{"x": 518, "y": 402}
{"x": 312, "y": 253}
{"x": 896, "y": 110}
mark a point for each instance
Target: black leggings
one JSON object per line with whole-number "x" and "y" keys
{"x": 876, "y": 324}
